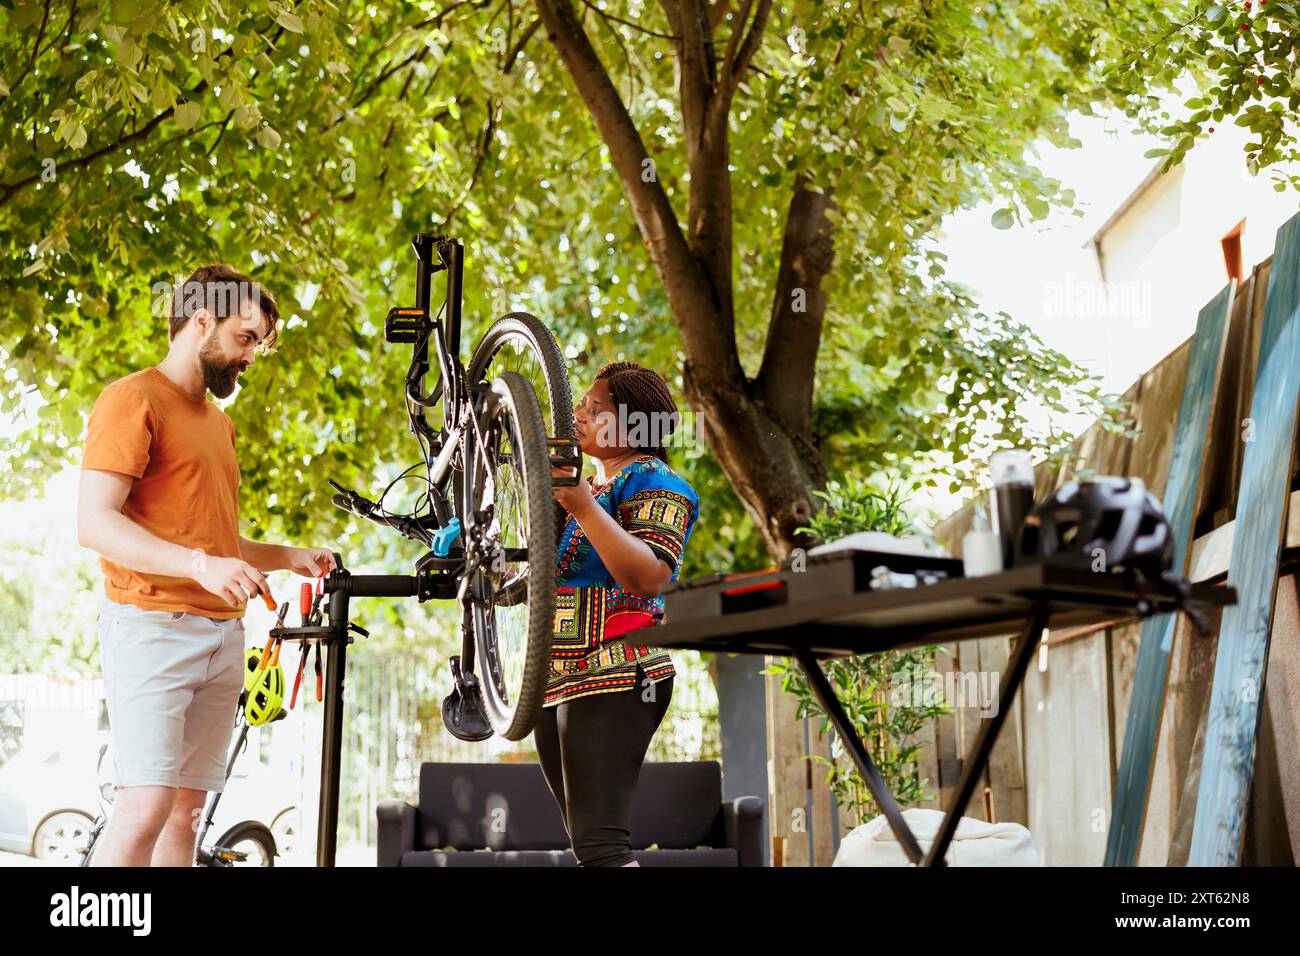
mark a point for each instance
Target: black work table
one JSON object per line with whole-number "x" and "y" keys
{"x": 829, "y": 610}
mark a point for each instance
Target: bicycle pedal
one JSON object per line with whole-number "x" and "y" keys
{"x": 564, "y": 453}
{"x": 464, "y": 718}
{"x": 406, "y": 325}
{"x": 462, "y": 709}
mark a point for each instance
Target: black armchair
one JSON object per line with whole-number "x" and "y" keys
{"x": 504, "y": 815}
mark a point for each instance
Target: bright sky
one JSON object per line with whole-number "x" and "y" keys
{"x": 1007, "y": 267}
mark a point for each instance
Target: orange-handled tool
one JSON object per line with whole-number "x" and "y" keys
{"x": 320, "y": 685}
{"x": 266, "y": 655}
{"x": 302, "y": 661}
{"x": 268, "y": 601}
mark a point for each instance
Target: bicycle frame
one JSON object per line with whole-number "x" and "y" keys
{"x": 450, "y": 256}
{"x": 465, "y": 406}
{"x": 436, "y": 254}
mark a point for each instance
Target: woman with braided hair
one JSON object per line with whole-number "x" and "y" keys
{"x": 625, "y": 529}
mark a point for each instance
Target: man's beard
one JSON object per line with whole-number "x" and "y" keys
{"x": 218, "y": 371}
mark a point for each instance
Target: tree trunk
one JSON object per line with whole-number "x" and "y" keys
{"x": 760, "y": 430}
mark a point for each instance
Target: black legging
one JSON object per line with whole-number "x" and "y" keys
{"x": 591, "y": 751}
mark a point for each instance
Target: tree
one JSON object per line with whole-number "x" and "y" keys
{"x": 1242, "y": 59}
{"x": 743, "y": 192}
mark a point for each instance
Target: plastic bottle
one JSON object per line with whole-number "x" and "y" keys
{"x": 981, "y": 551}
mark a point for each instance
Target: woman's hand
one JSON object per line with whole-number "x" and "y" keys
{"x": 577, "y": 499}
{"x": 629, "y": 561}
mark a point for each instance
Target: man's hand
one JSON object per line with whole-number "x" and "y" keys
{"x": 233, "y": 580}
{"x": 576, "y": 499}
{"x": 311, "y": 562}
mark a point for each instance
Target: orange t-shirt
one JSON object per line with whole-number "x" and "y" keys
{"x": 182, "y": 454}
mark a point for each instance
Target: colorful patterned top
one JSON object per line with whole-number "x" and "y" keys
{"x": 588, "y": 656}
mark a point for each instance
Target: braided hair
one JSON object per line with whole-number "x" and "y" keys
{"x": 642, "y": 391}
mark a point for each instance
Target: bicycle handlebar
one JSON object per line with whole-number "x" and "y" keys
{"x": 363, "y": 508}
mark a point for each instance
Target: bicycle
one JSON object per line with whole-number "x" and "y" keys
{"x": 248, "y": 843}
{"x": 487, "y": 516}
{"x": 488, "y": 476}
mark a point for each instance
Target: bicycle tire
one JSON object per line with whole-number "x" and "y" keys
{"x": 528, "y": 331}
{"x": 252, "y": 832}
{"x": 96, "y": 829}
{"x": 513, "y": 711}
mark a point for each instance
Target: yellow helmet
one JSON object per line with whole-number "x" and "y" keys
{"x": 265, "y": 689}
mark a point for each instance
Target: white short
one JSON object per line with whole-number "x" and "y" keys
{"x": 172, "y": 680}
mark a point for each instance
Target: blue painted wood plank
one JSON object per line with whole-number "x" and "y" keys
{"x": 1237, "y": 696}
{"x": 1181, "y": 497}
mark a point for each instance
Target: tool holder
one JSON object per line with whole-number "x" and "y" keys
{"x": 335, "y": 634}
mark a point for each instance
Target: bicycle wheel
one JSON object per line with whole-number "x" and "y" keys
{"x": 512, "y": 579}
{"x": 253, "y": 840}
{"x": 92, "y": 841}
{"x": 521, "y": 343}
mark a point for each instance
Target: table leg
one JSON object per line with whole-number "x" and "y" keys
{"x": 973, "y": 764}
{"x": 853, "y": 742}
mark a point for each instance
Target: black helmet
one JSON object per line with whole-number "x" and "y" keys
{"x": 1112, "y": 520}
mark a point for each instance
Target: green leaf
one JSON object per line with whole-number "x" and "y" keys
{"x": 1004, "y": 218}
{"x": 186, "y": 115}
{"x": 289, "y": 21}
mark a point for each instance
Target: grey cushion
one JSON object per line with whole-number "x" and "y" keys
{"x": 504, "y": 815}
{"x": 502, "y": 806}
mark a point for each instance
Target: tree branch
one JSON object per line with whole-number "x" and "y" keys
{"x": 220, "y": 133}
{"x": 433, "y": 21}
{"x": 419, "y": 54}
{"x": 698, "y": 74}
{"x": 785, "y": 379}
{"x": 717, "y": 14}
{"x": 519, "y": 46}
{"x": 36, "y": 50}
{"x": 628, "y": 23}
{"x": 733, "y": 39}
{"x": 734, "y": 70}
{"x": 9, "y": 190}
{"x": 708, "y": 340}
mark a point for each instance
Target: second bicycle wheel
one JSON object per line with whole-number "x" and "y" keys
{"x": 522, "y": 343}
{"x": 519, "y": 342}
{"x": 512, "y": 555}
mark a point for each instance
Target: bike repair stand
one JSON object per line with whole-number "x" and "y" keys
{"x": 341, "y": 586}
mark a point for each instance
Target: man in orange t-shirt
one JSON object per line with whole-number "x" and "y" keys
{"x": 159, "y": 503}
